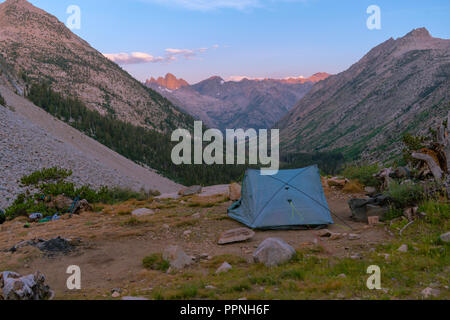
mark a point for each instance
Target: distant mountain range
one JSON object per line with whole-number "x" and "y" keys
{"x": 400, "y": 86}
{"x": 40, "y": 48}
{"x": 248, "y": 103}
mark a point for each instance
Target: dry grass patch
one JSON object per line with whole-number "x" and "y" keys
{"x": 352, "y": 187}
{"x": 208, "y": 202}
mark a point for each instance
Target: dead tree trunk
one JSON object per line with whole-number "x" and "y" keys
{"x": 434, "y": 167}
{"x": 443, "y": 139}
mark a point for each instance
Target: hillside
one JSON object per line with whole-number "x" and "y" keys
{"x": 400, "y": 86}
{"x": 31, "y": 139}
{"x": 40, "y": 48}
{"x": 239, "y": 104}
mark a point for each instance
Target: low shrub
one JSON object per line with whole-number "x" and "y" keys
{"x": 155, "y": 262}
{"x": 406, "y": 194}
{"x": 51, "y": 182}
{"x": 363, "y": 174}
{"x": 438, "y": 213}
{"x": 46, "y": 174}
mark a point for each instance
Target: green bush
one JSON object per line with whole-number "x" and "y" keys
{"x": 404, "y": 195}
{"x": 46, "y": 174}
{"x": 27, "y": 203}
{"x": 364, "y": 174}
{"x": 156, "y": 262}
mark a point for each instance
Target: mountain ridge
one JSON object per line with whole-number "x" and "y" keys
{"x": 399, "y": 86}
{"x": 40, "y": 48}
{"x": 248, "y": 103}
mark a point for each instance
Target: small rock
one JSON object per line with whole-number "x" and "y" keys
{"x": 421, "y": 215}
{"x": 35, "y": 217}
{"x": 187, "y": 233}
{"x": 210, "y": 287}
{"x": 236, "y": 235}
{"x": 198, "y": 215}
{"x": 430, "y": 292}
{"x": 273, "y": 251}
{"x": 445, "y": 237}
{"x": 190, "y": 191}
{"x": 142, "y": 212}
{"x": 225, "y": 267}
{"x": 62, "y": 203}
{"x": 83, "y": 206}
{"x": 342, "y": 275}
{"x": 356, "y": 256}
{"x": 336, "y": 236}
{"x": 403, "y": 248}
{"x": 324, "y": 233}
{"x": 235, "y": 192}
{"x": 336, "y": 182}
{"x": 373, "y": 220}
{"x": 353, "y": 236}
{"x": 370, "y": 190}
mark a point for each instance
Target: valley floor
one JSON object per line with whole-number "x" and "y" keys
{"x": 113, "y": 245}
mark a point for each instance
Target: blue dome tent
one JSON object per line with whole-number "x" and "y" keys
{"x": 288, "y": 200}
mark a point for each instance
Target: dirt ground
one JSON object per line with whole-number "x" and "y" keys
{"x": 113, "y": 243}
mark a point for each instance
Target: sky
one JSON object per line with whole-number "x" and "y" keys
{"x": 197, "y": 39}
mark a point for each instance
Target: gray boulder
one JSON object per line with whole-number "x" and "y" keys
{"x": 13, "y": 286}
{"x": 358, "y": 208}
{"x": 445, "y": 237}
{"x": 273, "y": 251}
{"x": 371, "y": 191}
{"x": 177, "y": 257}
{"x": 142, "y": 212}
{"x": 190, "y": 191}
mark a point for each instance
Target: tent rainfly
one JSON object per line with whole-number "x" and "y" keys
{"x": 291, "y": 199}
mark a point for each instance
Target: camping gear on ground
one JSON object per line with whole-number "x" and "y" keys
{"x": 291, "y": 199}
{"x": 74, "y": 206}
{"x": 35, "y": 217}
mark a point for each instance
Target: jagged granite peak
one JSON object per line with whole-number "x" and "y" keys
{"x": 40, "y": 48}
{"x": 170, "y": 82}
{"x": 418, "y": 33}
{"x": 400, "y": 86}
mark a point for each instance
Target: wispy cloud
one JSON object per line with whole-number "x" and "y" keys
{"x": 171, "y": 55}
{"x": 207, "y": 5}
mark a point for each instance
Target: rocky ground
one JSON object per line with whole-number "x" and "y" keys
{"x": 109, "y": 246}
